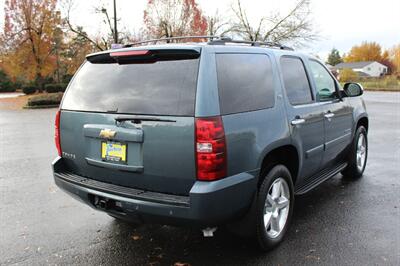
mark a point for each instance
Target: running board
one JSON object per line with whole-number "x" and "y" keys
{"x": 321, "y": 177}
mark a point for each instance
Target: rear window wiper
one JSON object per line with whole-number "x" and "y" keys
{"x": 138, "y": 120}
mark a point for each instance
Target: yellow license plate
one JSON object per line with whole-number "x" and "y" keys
{"x": 113, "y": 151}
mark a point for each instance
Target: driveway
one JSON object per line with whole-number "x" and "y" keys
{"x": 4, "y": 95}
{"x": 340, "y": 223}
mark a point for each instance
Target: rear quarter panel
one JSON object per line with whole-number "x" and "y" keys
{"x": 359, "y": 110}
{"x": 249, "y": 135}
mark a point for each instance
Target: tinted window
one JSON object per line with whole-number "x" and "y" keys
{"x": 295, "y": 79}
{"x": 158, "y": 88}
{"x": 324, "y": 83}
{"x": 245, "y": 82}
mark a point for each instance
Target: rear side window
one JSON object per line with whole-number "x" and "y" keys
{"x": 156, "y": 88}
{"x": 245, "y": 82}
{"x": 295, "y": 79}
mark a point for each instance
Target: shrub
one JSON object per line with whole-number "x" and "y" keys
{"x": 66, "y": 78}
{"x": 50, "y": 88}
{"x": 29, "y": 89}
{"x": 347, "y": 75}
{"x": 64, "y": 86}
{"x": 45, "y": 99}
{"x": 5, "y": 83}
{"x": 7, "y": 86}
{"x": 391, "y": 81}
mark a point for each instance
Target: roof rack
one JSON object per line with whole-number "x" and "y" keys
{"x": 214, "y": 40}
{"x": 224, "y": 40}
{"x": 171, "y": 39}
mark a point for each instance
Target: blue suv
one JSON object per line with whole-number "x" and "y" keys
{"x": 223, "y": 132}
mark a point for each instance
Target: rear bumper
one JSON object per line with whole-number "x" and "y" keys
{"x": 208, "y": 203}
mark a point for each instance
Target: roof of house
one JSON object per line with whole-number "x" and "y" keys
{"x": 354, "y": 64}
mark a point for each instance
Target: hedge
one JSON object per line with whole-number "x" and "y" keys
{"x": 55, "y": 87}
{"x": 45, "y": 99}
{"x": 29, "y": 89}
{"x": 7, "y": 86}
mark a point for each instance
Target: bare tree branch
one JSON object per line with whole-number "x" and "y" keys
{"x": 295, "y": 26}
{"x": 289, "y": 15}
{"x": 78, "y": 30}
{"x": 216, "y": 26}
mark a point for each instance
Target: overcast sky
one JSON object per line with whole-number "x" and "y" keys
{"x": 341, "y": 23}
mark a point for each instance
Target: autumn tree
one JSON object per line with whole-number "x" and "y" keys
{"x": 29, "y": 37}
{"x": 334, "y": 57}
{"x": 293, "y": 26}
{"x": 367, "y": 51}
{"x": 74, "y": 53}
{"x": 395, "y": 58}
{"x": 173, "y": 18}
{"x": 386, "y": 60}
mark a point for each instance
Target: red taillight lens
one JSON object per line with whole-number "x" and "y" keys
{"x": 210, "y": 148}
{"x": 130, "y": 53}
{"x": 57, "y": 132}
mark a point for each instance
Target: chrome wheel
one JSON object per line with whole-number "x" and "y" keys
{"x": 276, "y": 207}
{"x": 361, "y": 152}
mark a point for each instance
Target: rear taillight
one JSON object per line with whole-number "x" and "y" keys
{"x": 210, "y": 148}
{"x": 57, "y": 132}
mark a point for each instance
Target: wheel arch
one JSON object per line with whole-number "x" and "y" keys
{"x": 363, "y": 121}
{"x": 287, "y": 155}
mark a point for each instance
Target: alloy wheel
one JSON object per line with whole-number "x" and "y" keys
{"x": 361, "y": 152}
{"x": 276, "y": 207}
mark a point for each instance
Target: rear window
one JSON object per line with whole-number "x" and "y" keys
{"x": 296, "y": 82}
{"x": 245, "y": 82}
{"x": 157, "y": 88}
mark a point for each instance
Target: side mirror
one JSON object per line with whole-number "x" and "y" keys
{"x": 353, "y": 89}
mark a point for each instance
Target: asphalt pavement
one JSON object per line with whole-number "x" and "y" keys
{"x": 341, "y": 222}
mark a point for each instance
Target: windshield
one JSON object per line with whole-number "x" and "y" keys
{"x": 157, "y": 88}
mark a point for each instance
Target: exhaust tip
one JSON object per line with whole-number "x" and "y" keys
{"x": 209, "y": 232}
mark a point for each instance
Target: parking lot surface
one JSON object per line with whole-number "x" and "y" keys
{"x": 341, "y": 222}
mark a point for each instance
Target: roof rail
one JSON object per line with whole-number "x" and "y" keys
{"x": 213, "y": 40}
{"x": 172, "y": 39}
{"x": 224, "y": 40}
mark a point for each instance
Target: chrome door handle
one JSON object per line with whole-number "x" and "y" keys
{"x": 329, "y": 115}
{"x": 298, "y": 121}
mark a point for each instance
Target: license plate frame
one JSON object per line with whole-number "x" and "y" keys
{"x": 114, "y": 152}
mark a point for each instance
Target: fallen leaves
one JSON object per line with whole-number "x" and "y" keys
{"x": 136, "y": 237}
{"x": 310, "y": 257}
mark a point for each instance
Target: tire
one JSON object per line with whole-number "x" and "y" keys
{"x": 358, "y": 154}
{"x": 272, "y": 209}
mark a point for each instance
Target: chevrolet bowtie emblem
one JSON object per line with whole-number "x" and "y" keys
{"x": 107, "y": 133}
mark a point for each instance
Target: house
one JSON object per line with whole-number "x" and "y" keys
{"x": 364, "y": 68}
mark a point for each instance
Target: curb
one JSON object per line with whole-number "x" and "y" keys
{"x": 41, "y": 106}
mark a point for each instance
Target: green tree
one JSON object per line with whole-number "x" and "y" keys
{"x": 334, "y": 57}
